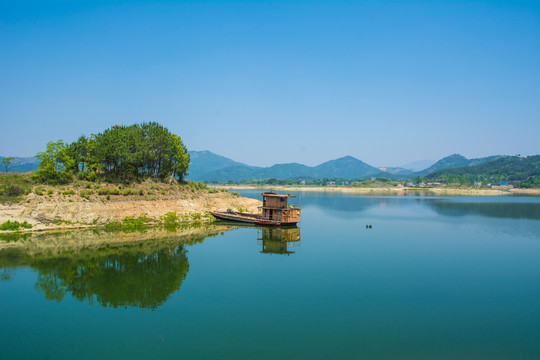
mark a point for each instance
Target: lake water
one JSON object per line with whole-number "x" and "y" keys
{"x": 433, "y": 278}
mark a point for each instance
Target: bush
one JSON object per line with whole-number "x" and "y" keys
{"x": 103, "y": 191}
{"x": 15, "y": 225}
{"x": 87, "y": 175}
{"x": 108, "y": 191}
{"x": 86, "y": 193}
{"x": 171, "y": 219}
{"x": 127, "y": 192}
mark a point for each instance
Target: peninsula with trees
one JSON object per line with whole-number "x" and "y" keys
{"x": 123, "y": 176}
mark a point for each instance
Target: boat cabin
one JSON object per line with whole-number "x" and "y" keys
{"x": 276, "y": 208}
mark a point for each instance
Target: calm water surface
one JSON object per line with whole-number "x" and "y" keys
{"x": 434, "y": 278}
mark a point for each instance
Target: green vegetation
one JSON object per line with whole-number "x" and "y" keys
{"x": 15, "y": 225}
{"x": 120, "y": 153}
{"x": 172, "y": 220}
{"x": 14, "y": 186}
{"x": 514, "y": 170}
{"x": 86, "y": 193}
{"x": 129, "y": 224}
{"x": 137, "y": 275}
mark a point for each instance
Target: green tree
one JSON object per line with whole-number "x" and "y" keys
{"x": 118, "y": 153}
{"x": 55, "y": 164}
{"x": 8, "y": 162}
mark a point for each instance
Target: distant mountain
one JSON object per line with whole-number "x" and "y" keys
{"x": 399, "y": 171}
{"x": 23, "y": 164}
{"x": 202, "y": 162}
{"x": 418, "y": 165}
{"x": 511, "y": 168}
{"x": 346, "y": 167}
{"x": 453, "y": 161}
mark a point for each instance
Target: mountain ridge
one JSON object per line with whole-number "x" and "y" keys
{"x": 207, "y": 166}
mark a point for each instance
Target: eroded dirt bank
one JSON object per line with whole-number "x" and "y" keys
{"x": 64, "y": 210}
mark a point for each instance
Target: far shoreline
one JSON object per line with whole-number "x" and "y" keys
{"x": 387, "y": 191}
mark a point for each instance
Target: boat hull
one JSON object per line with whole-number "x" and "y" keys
{"x": 248, "y": 218}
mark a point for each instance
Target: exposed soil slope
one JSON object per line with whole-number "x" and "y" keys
{"x": 86, "y": 205}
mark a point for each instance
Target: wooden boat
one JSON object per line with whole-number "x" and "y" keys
{"x": 274, "y": 212}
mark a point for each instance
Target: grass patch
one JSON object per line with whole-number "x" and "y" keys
{"x": 108, "y": 191}
{"x": 86, "y": 193}
{"x": 13, "y": 187}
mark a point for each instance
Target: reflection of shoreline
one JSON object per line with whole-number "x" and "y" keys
{"x": 392, "y": 191}
{"x": 72, "y": 240}
{"x": 111, "y": 269}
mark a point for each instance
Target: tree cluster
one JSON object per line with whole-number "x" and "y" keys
{"x": 118, "y": 153}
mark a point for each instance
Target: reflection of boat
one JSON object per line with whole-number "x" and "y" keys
{"x": 278, "y": 240}
{"x": 275, "y": 211}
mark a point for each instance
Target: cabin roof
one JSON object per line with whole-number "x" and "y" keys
{"x": 271, "y": 194}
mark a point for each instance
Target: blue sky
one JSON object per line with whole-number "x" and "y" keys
{"x": 388, "y": 82}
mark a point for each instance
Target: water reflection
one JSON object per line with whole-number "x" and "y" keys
{"x": 490, "y": 209}
{"x": 279, "y": 240}
{"x": 108, "y": 269}
{"x": 121, "y": 278}
{"x": 349, "y": 206}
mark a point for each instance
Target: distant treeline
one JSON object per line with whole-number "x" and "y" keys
{"x": 318, "y": 182}
{"x": 118, "y": 153}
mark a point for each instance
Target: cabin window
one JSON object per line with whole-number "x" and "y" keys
{"x": 282, "y": 199}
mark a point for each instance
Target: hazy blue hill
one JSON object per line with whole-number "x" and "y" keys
{"x": 418, "y": 165}
{"x": 246, "y": 173}
{"x": 232, "y": 173}
{"x": 346, "y": 167}
{"x": 454, "y": 161}
{"x": 287, "y": 171}
{"x": 203, "y": 162}
{"x": 398, "y": 171}
{"x": 24, "y": 164}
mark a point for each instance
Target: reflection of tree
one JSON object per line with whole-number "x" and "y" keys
{"x": 120, "y": 278}
{"x": 111, "y": 268}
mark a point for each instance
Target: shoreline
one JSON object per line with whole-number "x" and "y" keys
{"x": 57, "y": 209}
{"x": 389, "y": 191}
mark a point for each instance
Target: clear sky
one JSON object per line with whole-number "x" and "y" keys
{"x": 388, "y": 82}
